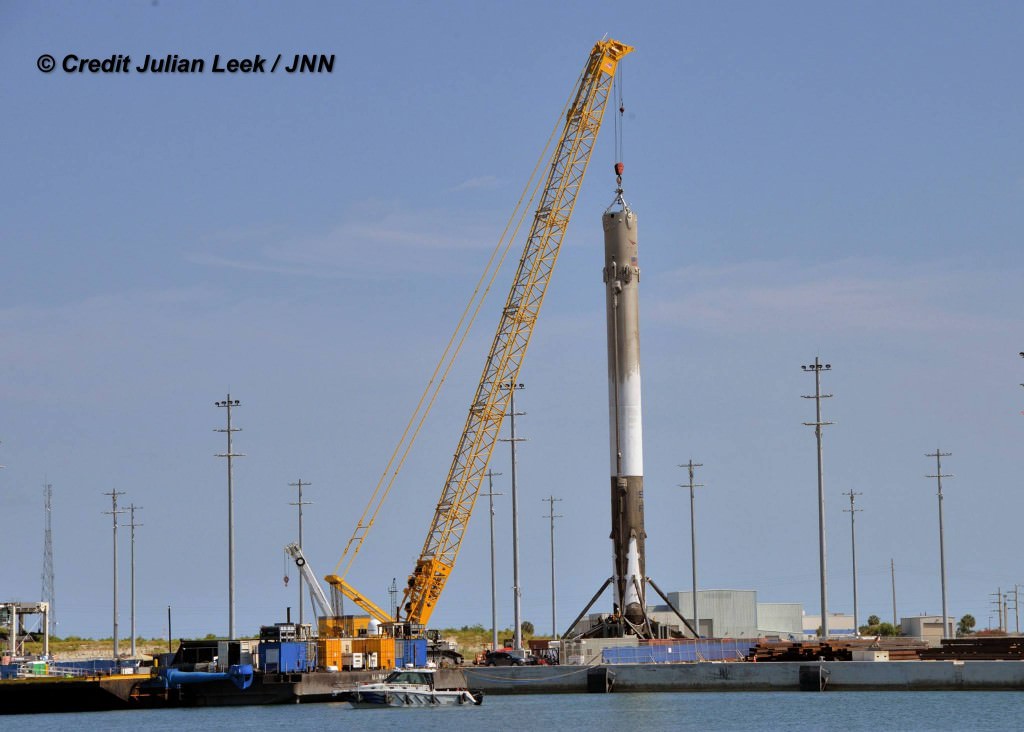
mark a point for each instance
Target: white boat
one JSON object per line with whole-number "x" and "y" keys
{"x": 413, "y": 688}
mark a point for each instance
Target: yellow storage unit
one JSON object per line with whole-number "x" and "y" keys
{"x": 330, "y": 651}
{"x": 383, "y": 646}
{"x": 342, "y": 626}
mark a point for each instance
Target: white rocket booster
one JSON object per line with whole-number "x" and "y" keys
{"x": 622, "y": 278}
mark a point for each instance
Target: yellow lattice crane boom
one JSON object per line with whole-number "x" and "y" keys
{"x": 518, "y": 317}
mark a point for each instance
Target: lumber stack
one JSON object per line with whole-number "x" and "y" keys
{"x": 985, "y": 648}
{"x": 900, "y": 649}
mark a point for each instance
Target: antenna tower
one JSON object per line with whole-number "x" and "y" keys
{"x": 47, "y": 592}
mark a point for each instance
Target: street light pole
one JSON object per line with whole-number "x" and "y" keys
{"x": 300, "y": 503}
{"x": 494, "y": 593}
{"x": 853, "y": 547}
{"x": 516, "y": 589}
{"x": 817, "y": 367}
{"x": 228, "y": 404}
{"x": 938, "y": 455}
{"x": 693, "y": 538}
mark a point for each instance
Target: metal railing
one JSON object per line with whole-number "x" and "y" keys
{"x": 685, "y": 651}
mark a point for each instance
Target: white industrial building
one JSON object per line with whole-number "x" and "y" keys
{"x": 738, "y": 614}
{"x": 779, "y": 619}
{"x": 840, "y": 625}
{"x": 734, "y": 614}
{"x": 927, "y": 628}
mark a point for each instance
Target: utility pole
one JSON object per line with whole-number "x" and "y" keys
{"x": 131, "y": 510}
{"x": 49, "y": 596}
{"x": 300, "y": 503}
{"x": 494, "y": 595}
{"x": 853, "y": 544}
{"x": 113, "y": 513}
{"x": 516, "y": 588}
{"x": 1016, "y": 597}
{"x": 552, "y": 516}
{"x": 892, "y": 573}
{"x": 1016, "y": 608}
{"x": 227, "y": 404}
{"x": 817, "y": 367}
{"x": 938, "y": 455}
{"x": 693, "y": 539}
{"x": 998, "y": 602}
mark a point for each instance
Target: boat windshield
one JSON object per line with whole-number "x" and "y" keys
{"x": 408, "y": 677}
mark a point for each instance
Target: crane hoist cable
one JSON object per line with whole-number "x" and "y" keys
{"x": 447, "y": 359}
{"x": 620, "y": 120}
{"x": 620, "y": 133}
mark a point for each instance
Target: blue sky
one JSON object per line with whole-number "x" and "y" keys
{"x": 811, "y": 178}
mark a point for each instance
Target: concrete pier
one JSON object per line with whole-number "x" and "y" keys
{"x": 780, "y": 676}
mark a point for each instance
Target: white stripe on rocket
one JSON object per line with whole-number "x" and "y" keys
{"x": 630, "y": 438}
{"x": 633, "y": 558}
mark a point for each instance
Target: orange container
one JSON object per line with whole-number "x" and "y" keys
{"x": 383, "y": 646}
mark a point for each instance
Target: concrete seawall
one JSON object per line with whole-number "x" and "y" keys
{"x": 833, "y": 676}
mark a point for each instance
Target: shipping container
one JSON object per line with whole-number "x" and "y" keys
{"x": 286, "y": 657}
{"x": 328, "y": 653}
{"x": 343, "y": 626}
{"x": 382, "y": 645}
{"x": 411, "y": 652}
{"x": 234, "y": 652}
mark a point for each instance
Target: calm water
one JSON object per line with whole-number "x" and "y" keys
{"x": 844, "y": 711}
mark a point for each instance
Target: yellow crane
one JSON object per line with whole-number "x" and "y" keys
{"x": 569, "y": 161}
